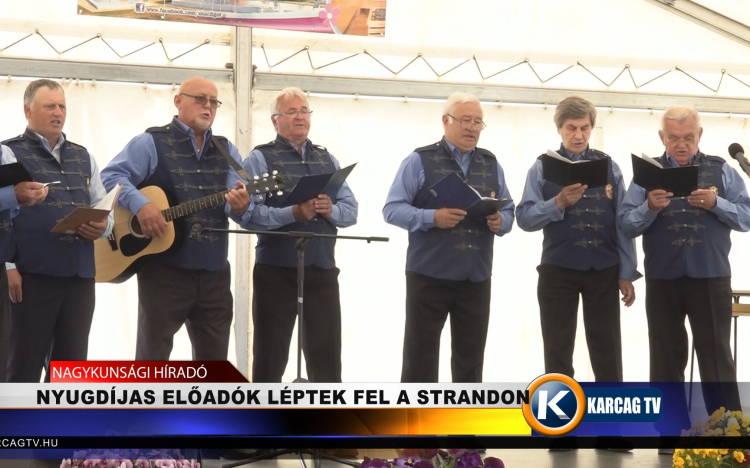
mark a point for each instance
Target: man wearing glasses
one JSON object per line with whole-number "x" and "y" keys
{"x": 584, "y": 253}
{"x": 190, "y": 284}
{"x": 449, "y": 258}
{"x": 275, "y": 272}
{"x": 686, "y": 245}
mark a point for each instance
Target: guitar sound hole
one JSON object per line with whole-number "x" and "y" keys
{"x": 135, "y": 227}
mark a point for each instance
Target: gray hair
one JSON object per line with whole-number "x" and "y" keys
{"x": 681, "y": 115}
{"x": 456, "y": 99}
{"x": 33, "y": 87}
{"x": 574, "y": 107}
{"x": 286, "y": 94}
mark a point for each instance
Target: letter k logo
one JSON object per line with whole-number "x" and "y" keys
{"x": 543, "y": 404}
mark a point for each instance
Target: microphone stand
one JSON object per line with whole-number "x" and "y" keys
{"x": 303, "y": 237}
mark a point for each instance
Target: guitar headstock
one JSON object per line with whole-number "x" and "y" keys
{"x": 266, "y": 185}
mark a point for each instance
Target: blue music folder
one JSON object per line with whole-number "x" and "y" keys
{"x": 310, "y": 186}
{"x": 453, "y": 192}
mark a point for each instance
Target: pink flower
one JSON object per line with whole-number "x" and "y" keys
{"x": 329, "y": 16}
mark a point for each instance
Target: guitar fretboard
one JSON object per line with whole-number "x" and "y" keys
{"x": 190, "y": 207}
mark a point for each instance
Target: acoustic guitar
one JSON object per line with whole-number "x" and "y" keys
{"x": 123, "y": 253}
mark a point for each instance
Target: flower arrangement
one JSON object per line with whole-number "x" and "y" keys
{"x": 128, "y": 459}
{"x": 434, "y": 458}
{"x": 721, "y": 423}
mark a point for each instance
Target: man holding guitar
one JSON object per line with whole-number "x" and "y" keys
{"x": 190, "y": 283}
{"x": 275, "y": 272}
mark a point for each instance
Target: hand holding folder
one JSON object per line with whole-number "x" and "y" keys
{"x": 452, "y": 192}
{"x": 311, "y": 186}
{"x": 650, "y": 175}
{"x": 79, "y": 216}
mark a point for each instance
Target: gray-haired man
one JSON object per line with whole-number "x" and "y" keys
{"x": 449, "y": 259}
{"x": 275, "y": 273}
{"x": 584, "y": 252}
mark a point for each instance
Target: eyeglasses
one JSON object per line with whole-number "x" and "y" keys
{"x": 294, "y": 112}
{"x": 468, "y": 123}
{"x": 201, "y": 100}
{"x": 688, "y": 140}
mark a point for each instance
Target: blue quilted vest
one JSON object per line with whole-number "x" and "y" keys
{"x": 586, "y": 237}
{"x": 464, "y": 252}
{"x": 184, "y": 177}
{"x": 39, "y": 250}
{"x": 683, "y": 238}
{"x": 281, "y": 156}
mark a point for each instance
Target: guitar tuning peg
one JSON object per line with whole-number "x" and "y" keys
{"x": 256, "y": 178}
{"x": 275, "y": 172}
{"x": 265, "y": 175}
{"x": 279, "y": 193}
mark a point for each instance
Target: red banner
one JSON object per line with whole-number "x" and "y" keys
{"x": 144, "y": 371}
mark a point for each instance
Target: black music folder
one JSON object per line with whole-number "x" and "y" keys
{"x": 310, "y": 186}
{"x": 11, "y": 174}
{"x": 453, "y": 192}
{"x": 562, "y": 171}
{"x": 650, "y": 175}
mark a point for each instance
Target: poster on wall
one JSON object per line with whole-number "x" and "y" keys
{"x": 350, "y": 17}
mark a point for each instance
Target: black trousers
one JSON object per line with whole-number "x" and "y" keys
{"x": 558, "y": 293}
{"x": 169, "y": 297}
{"x": 52, "y": 322}
{"x": 4, "y": 322}
{"x": 274, "y": 316}
{"x": 429, "y": 301}
{"x": 707, "y": 303}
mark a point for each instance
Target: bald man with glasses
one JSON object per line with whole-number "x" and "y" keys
{"x": 188, "y": 285}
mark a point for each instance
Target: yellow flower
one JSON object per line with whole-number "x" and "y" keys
{"x": 739, "y": 456}
{"x": 678, "y": 462}
{"x": 745, "y": 421}
{"x": 723, "y": 451}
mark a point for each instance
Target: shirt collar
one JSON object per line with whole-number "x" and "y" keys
{"x": 46, "y": 144}
{"x": 455, "y": 151}
{"x": 293, "y": 145}
{"x": 190, "y": 131}
{"x": 574, "y": 157}
{"x": 673, "y": 162}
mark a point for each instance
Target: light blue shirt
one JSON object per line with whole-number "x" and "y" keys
{"x": 8, "y": 199}
{"x": 534, "y": 212}
{"x": 399, "y": 211}
{"x": 266, "y": 218}
{"x": 96, "y": 188}
{"x": 138, "y": 160}
{"x": 733, "y": 209}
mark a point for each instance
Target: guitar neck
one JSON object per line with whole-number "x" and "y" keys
{"x": 190, "y": 207}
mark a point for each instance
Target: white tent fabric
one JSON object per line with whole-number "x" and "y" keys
{"x": 378, "y": 134}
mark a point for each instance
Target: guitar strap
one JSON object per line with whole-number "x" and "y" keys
{"x": 232, "y": 162}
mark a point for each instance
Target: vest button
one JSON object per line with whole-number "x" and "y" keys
{"x": 683, "y": 210}
{"x": 469, "y": 231}
{"x": 469, "y": 245}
